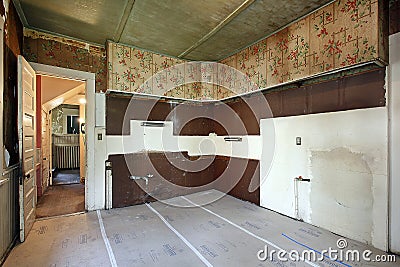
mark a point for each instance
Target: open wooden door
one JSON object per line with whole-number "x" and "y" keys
{"x": 27, "y": 145}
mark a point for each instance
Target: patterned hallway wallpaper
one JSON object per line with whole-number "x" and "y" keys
{"x": 62, "y": 52}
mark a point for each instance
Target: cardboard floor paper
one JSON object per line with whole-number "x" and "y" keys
{"x": 177, "y": 232}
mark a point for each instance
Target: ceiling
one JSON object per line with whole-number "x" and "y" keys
{"x": 57, "y": 91}
{"x": 189, "y": 29}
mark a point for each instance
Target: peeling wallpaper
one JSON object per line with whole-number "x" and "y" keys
{"x": 63, "y": 52}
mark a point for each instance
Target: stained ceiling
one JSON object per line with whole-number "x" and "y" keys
{"x": 189, "y": 29}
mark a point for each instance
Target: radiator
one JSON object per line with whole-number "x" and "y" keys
{"x": 66, "y": 151}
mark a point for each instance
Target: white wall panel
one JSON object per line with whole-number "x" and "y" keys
{"x": 345, "y": 156}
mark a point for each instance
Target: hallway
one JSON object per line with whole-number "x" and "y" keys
{"x": 61, "y": 200}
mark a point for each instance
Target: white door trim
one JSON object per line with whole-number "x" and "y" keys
{"x": 93, "y": 184}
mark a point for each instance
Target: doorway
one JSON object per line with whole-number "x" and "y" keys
{"x": 61, "y": 142}
{"x": 30, "y": 154}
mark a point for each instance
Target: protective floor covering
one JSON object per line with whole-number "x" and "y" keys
{"x": 227, "y": 232}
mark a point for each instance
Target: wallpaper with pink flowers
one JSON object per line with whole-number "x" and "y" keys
{"x": 134, "y": 70}
{"x": 341, "y": 34}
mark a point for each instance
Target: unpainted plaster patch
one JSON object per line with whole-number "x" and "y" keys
{"x": 341, "y": 193}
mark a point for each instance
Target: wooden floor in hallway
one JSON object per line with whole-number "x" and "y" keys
{"x": 61, "y": 200}
{"x": 202, "y": 229}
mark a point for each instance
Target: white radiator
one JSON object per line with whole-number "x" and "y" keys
{"x": 66, "y": 151}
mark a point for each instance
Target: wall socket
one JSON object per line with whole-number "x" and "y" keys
{"x": 298, "y": 140}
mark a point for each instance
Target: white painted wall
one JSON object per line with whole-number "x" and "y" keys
{"x": 393, "y": 80}
{"x": 162, "y": 139}
{"x": 345, "y": 156}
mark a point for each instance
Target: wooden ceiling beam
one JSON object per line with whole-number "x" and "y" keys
{"x": 224, "y": 22}
{"x": 124, "y": 19}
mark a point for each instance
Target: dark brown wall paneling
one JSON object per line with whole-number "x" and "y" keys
{"x": 365, "y": 90}
{"x": 171, "y": 171}
{"x": 238, "y": 177}
{"x": 325, "y": 97}
{"x": 294, "y": 102}
{"x": 126, "y": 192}
{"x": 189, "y": 118}
{"x": 116, "y": 107}
{"x": 240, "y": 116}
{"x": 192, "y": 118}
{"x": 274, "y": 100}
{"x": 176, "y": 174}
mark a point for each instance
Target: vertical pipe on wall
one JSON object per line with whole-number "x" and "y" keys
{"x": 108, "y": 185}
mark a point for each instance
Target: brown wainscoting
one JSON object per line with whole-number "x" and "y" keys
{"x": 189, "y": 118}
{"x": 239, "y": 177}
{"x": 176, "y": 174}
{"x": 171, "y": 176}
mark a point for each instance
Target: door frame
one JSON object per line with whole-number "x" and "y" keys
{"x": 90, "y": 110}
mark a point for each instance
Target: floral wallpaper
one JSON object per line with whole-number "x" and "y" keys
{"x": 62, "y": 52}
{"x": 343, "y": 33}
{"x": 133, "y": 70}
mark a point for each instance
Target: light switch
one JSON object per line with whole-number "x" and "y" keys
{"x": 99, "y": 136}
{"x": 298, "y": 141}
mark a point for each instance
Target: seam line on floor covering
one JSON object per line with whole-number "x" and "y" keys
{"x": 246, "y": 231}
{"x": 201, "y": 257}
{"x": 310, "y": 248}
{"x": 106, "y": 241}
